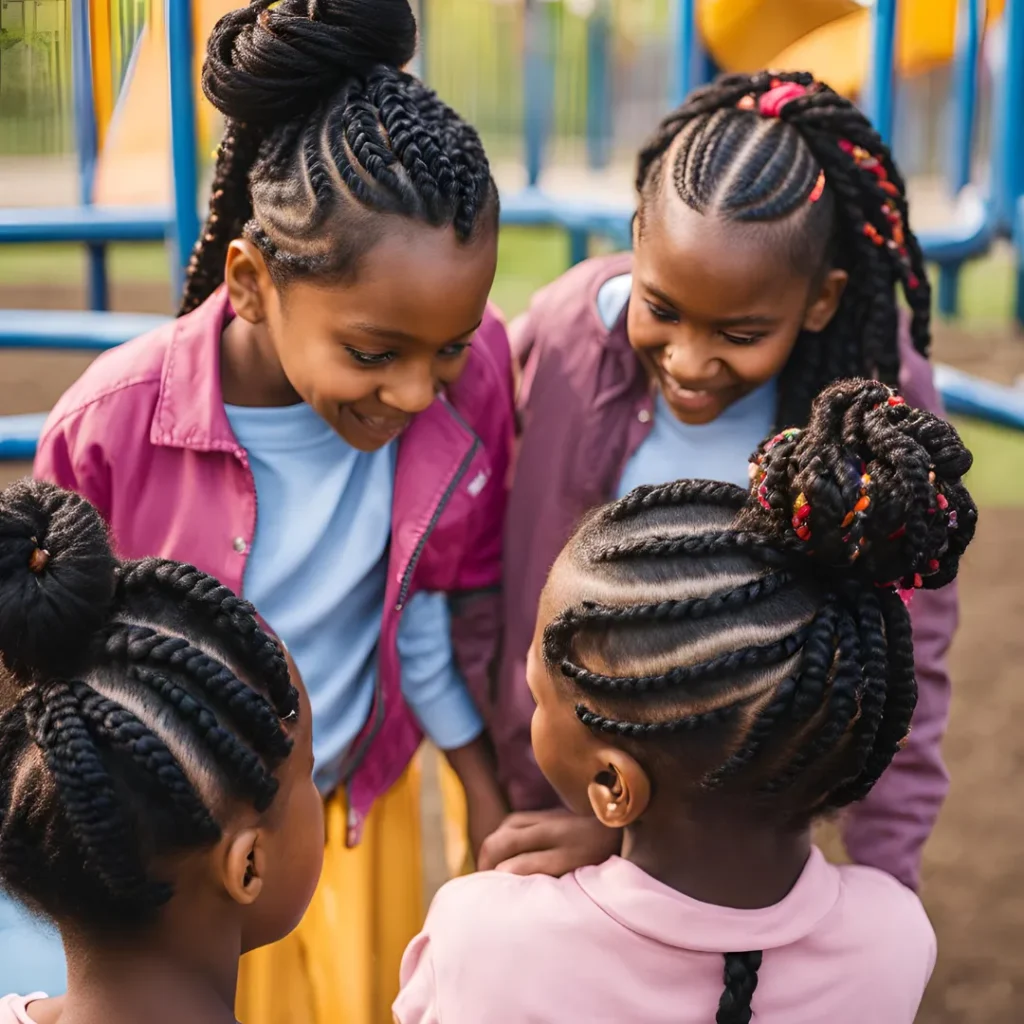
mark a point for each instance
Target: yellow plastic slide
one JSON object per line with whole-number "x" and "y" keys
{"x": 135, "y": 161}
{"x": 830, "y": 38}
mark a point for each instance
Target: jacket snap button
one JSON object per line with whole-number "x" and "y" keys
{"x": 644, "y": 415}
{"x": 239, "y": 544}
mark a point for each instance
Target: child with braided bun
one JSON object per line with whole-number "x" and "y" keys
{"x": 156, "y": 758}
{"x": 327, "y": 429}
{"x": 713, "y": 670}
{"x": 772, "y": 247}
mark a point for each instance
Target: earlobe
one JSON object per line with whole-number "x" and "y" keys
{"x": 244, "y": 867}
{"x": 821, "y": 311}
{"x": 247, "y": 280}
{"x": 620, "y": 792}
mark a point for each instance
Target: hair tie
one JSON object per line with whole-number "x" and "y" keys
{"x": 770, "y": 103}
{"x": 39, "y": 558}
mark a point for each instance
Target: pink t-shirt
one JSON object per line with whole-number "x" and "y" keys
{"x": 14, "y": 1009}
{"x": 611, "y": 944}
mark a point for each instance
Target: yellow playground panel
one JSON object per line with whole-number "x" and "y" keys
{"x": 830, "y": 38}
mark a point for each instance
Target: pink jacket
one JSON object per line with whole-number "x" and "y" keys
{"x": 144, "y": 436}
{"x": 847, "y": 945}
{"x": 584, "y": 407}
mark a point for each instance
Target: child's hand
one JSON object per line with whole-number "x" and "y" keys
{"x": 547, "y": 843}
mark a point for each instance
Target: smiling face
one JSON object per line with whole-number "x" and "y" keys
{"x": 716, "y": 309}
{"x": 369, "y": 353}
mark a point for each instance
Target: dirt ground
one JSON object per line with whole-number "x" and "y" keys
{"x": 974, "y": 870}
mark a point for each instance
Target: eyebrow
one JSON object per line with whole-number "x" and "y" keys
{"x": 385, "y": 332}
{"x": 747, "y": 320}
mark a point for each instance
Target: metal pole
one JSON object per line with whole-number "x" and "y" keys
{"x": 537, "y": 87}
{"x": 879, "y": 103}
{"x": 685, "y": 73}
{"x": 599, "y": 110}
{"x": 184, "y": 144}
{"x": 86, "y": 141}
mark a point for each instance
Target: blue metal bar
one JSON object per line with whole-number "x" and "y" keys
{"x": 579, "y": 245}
{"x": 879, "y": 102}
{"x": 87, "y": 140}
{"x": 537, "y": 87}
{"x": 599, "y": 109}
{"x": 965, "y": 91}
{"x": 68, "y": 330}
{"x": 1008, "y": 159}
{"x": 88, "y": 224}
{"x": 964, "y": 395}
{"x": 949, "y": 289}
{"x": 685, "y": 66}
{"x": 184, "y": 142}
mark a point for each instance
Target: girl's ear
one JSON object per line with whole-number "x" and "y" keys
{"x": 620, "y": 792}
{"x": 247, "y": 280}
{"x": 823, "y": 307}
{"x": 244, "y": 866}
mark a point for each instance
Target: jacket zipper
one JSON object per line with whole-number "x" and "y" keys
{"x": 357, "y": 755}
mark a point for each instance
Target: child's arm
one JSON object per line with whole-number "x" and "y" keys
{"x": 438, "y": 696}
{"x": 890, "y": 827}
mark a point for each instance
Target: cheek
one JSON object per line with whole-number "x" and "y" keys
{"x": 562, "y": 758}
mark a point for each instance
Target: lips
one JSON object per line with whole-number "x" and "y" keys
{"x": 385, "y": 428}
{"x": 691, "y": 400}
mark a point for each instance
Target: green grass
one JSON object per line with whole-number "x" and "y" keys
{"x": 529, "y": 259}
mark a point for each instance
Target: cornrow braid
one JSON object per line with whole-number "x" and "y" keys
{"x": 782, "y": 148}
{"x": 123, "y": 711}
{"x": 323, "y": 130}
{"x": 767, "y": 631}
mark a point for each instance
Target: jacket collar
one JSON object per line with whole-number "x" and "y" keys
{"x": 645, "y": 906}
{"x": 190, "y": 405}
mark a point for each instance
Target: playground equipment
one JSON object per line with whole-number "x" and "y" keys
{"x": 999, "y": 211}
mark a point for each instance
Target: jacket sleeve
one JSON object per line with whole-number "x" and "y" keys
{"x": 476, "y": 606}
{"x": 63, "y": 457}
{"x": 890, "y": 827}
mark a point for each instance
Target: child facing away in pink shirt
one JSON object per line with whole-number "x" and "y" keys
{"x": 713, "y": 670}
{"x": 156, "y": 791}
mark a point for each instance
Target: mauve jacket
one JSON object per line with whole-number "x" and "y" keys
{"x": 144, "y": 436}
{"x": 584, "y": 406}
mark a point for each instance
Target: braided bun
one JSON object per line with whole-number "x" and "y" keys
{"x": 57, "y": 579}
{"x": 270, "y": 61}
{"x": 871, "y": 489}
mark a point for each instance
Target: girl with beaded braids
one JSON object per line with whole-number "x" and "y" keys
{"x": 714, "y": 669}
{"x": 327, "y": 428}
{"x": 156, "y": 771}
{"x": 771, "y": 250}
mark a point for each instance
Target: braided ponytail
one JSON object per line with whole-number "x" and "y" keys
{"x": 322, "y": 125}
{"x": 786, "y": 149}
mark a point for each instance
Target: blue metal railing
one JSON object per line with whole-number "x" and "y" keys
{"x": 979, "y": 217}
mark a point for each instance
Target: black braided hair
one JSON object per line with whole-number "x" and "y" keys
{"x": 118, "y": 683}
{"x": 733, "y": 161}
{"x": 323, "y": 130}
{"x": 757, "y": 643}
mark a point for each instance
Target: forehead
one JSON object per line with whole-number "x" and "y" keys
{"x": 416, "y": 280}
{"x": 715, "y": 268}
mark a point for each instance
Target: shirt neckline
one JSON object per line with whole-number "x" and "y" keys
{"x": 647, "y": 907}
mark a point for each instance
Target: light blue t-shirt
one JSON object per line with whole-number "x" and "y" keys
{"x": 719, "y": 450}
{"x": 317, "y": 573}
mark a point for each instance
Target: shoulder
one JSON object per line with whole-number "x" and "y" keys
{"x": 126, "y": 377}
{"x": 887, "y": 921}
{"x": 517, "y": 910}
{"x": 483, "y": 394}
{"x": 571, "y": 300}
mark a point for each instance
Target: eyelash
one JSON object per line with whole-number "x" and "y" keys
{"x": 667, "y": 317}
{"x": 372, "y": 359}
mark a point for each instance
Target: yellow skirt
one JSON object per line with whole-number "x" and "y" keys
{"x": 340, "y": 966}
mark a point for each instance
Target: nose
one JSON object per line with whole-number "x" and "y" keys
{"x": 412, "y": 392}
{"x": 689, "y": 358}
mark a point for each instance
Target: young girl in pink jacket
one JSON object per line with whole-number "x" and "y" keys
{"x": 714, "y": 669}
{"x": 771, "y": 250}
{"x": 328, "y": 430}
